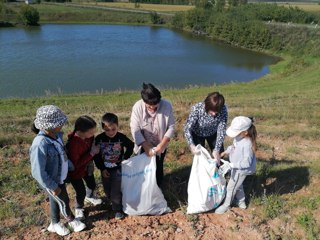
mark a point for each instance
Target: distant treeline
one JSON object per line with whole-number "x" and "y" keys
{"x": 170, "y": 2}
{"x": 255, "y": 26}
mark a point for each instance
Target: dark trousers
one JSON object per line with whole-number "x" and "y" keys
{"x": 60, "y": 204}
{"x": 211, "y": 140}
{"x": 80, "y": 189}
{"x": 159, "y": 171}
{"x": 112, "y": 188}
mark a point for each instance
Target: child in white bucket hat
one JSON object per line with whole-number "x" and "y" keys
{"x": 49, "y": 166}
{"x": 242, "y": 160}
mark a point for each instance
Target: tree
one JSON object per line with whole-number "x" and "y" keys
{"x": 29, "y": 15}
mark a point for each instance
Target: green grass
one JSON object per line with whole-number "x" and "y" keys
{"x": 53, "y": 13}
{"x": 284, "y": 103}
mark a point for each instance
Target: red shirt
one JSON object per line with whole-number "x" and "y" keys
{"x": 79, "y": 153}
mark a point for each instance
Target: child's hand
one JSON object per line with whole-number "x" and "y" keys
{"x": 223, "y": 154}
{"x": 105, "y": 173}
{"x": 90, "y": 168}
{"x": 95, "y": 149}
{"x": 57, "y": 191}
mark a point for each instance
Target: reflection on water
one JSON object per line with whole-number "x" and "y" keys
{"x": 77, "y": 58}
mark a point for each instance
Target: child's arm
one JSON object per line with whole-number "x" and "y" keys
{"x": 223, "y": 154}
{"x": 38, "y": 157}
{"x": 129, "y": 145}
{"x": 79, "y": 160}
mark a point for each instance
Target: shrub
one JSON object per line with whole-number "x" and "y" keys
{"x": 156, "y": 19}
{"x": 29, "y": 15}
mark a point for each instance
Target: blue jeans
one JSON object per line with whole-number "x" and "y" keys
{"x": 60, "y": 204}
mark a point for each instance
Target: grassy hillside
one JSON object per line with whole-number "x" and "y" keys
{"x": 285, "y": 189}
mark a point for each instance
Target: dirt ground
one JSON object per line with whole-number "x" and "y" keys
{"x": 235, "y": 224}
{"x": 232, "y": 225}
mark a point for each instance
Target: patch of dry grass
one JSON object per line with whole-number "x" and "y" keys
{"x": 309, "y": 7}
{"x": 142, "y": 6}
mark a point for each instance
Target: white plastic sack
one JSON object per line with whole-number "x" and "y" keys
{"x": 140, "y": 192}
{"x": 206, "y": 187}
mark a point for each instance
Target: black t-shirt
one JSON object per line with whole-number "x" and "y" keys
{"x": 112, "y": 150}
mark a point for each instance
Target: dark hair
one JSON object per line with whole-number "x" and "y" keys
{"x": 84, "y": 123}
{"x": 214, "y": 102}
{"x": 34, "y": 129}
{"x": 252, "y": 134}
{"x": 150, "y": 94}
{"x": 109, "y": 118}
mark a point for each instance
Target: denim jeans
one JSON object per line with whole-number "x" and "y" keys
{"x": 60, "y": 204}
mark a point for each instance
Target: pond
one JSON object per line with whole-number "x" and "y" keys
{"x": 73, "y": 58}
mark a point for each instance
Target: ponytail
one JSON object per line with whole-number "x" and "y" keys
{"x": 252, "y": 134}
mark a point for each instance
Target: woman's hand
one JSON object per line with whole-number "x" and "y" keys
{"x": 194, "y": 149}
{"x": 159, "y": 148}
{"x": 148, "y": 149}
{"x": 216, "y": 155}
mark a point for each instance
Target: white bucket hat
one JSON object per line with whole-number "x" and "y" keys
{"x": 49, "y": 117}
{"x": 238, "y": 125}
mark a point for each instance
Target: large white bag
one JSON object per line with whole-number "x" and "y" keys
{"x": 140, "y": 192}
{"x": 206, "y": 187}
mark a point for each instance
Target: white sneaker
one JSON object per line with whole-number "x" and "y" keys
{"x": 93, "y": 200}
{"x": 242, "y": 204}
{"x": 222, "y": 209}
{"x": 58, "y": 228}
{"x": 79, "y": 213}
{"x": 76, "y": 225}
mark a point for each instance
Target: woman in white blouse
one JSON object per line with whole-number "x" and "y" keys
{"x": 152, "y": 125}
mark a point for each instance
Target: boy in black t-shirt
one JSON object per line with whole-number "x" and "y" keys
{"x": 114, "y": 147}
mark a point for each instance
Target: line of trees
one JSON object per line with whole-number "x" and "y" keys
{"x": 246, "y": 26}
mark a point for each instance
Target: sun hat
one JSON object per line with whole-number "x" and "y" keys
{"x": 238, "y": 125}
{"x": 49, "y": 117}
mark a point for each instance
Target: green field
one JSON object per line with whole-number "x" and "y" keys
{"x": 285, "y": 104}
